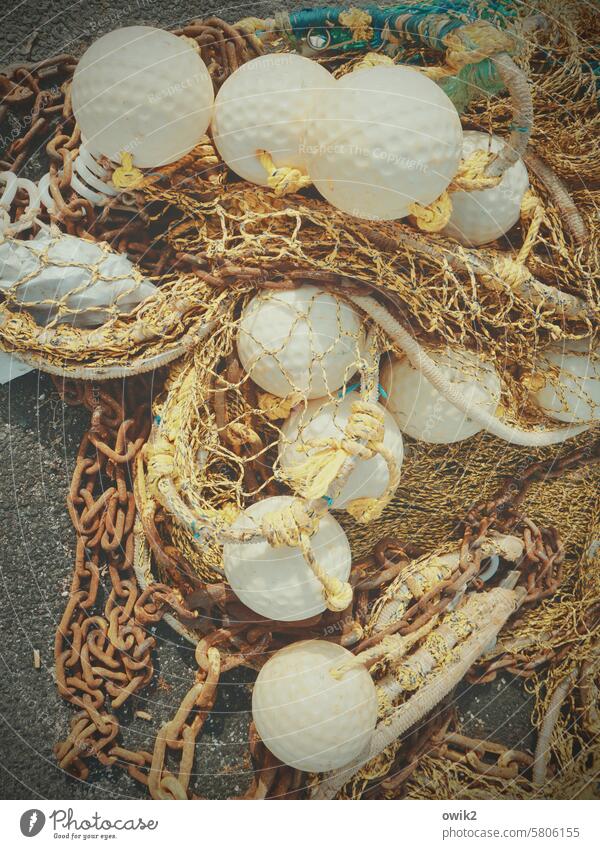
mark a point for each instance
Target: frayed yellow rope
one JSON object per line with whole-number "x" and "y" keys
{"x": 293, "y": 525}
{"x": 314, "y": 476}
{"x": 471, "y": 174}
{"x": 284, "y": 180}
{"x": 358, "y": 22}
{"x": 239, "y": 433}
{"x": 434, "y": 217}
{"x": 468, "y": 45}
{"x": 533, "y": 208}
{"x": 251, "y": 25}
{"x": 374, "y": 60}
{"x": 513, "y": 271}
{"x": 474, "y": 42}
{"x": 289, "y": 525}
{"x": 363, "y": 438}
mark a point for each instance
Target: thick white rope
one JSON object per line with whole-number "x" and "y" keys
{"x": 420, "y": 360}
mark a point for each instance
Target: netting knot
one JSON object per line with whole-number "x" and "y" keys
{"x": 284, "y": 180}
{"x": 275, "y": 408}
{"x": 512, "y": 273}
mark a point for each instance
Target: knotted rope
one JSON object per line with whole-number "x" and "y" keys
{"x": 433, "y": 217}
{"x": 293, "y": 526}
{"x": 284, "y": 180}
{"x": 363, "y": 439}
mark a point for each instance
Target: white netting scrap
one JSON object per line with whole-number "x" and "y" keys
{"x": 63, "y": 279}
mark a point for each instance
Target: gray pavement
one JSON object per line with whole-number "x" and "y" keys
{"x": 38, "y": 442}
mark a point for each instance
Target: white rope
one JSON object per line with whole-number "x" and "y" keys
{"x": 420, "y": 360}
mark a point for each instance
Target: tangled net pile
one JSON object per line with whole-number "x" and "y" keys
{"x": 208, "y": 447}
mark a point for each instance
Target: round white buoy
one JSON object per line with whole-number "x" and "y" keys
{"x": 419, "y": 409}
{"x": 484, "y": 215}
{"x": 277, "y": 582}
{"x": 571, "y": 382}
{"x": 264, "y": 106}
{"x": 314, "y": 707}
{"x": 382, "y": 139}
{"x": 325, "y": 420}
{"x": 142, "y": 91}
{"x": 303, "y": 340}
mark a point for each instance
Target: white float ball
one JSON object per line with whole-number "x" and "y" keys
{"x": 143, "y": 91}
{"x": 277, "y": 582}
{"x": 325, "y": 419}
{"x": 264, "y": 106}
{"x": 482, "y": 216}
{"x": 571, "y": 392}
{"x": 302, "y": 340}
{"x": 419, "y": 409}
{"x": 308, "y": 717}
{"x": 382, "y": 139}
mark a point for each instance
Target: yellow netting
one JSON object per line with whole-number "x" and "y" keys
{"x": 216, "y": 435}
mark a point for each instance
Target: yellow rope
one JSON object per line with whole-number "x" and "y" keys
{"x": 374, "y": 60}
{"x": 363, "y": 438}
{"x": 468, "y": 45}
{"x": 292, "y": 526}
{"x": 471, "y": 174}
{"x": 289, "y": 525}
{"x": 434, "y": 217}
{"x": 284, "y": 180}
{"x": 474, "y": 42}
{"x": 251, "y": 25}
{"x": 358, "y": 22}
{"x": 127, "y": 176}
{"x": 531, "y": 207}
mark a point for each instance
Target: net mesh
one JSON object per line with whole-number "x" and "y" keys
{"x": 222, "y": 432}
{"x": 214, "y": 446}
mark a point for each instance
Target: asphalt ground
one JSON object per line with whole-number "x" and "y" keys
{"x": 39, "y": 437}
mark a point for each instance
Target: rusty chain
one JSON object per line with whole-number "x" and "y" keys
{"x": 103, "y": 649}
{"x": 36, "y": 96}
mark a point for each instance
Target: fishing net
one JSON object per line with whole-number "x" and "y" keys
{"x": 214, "y": 445}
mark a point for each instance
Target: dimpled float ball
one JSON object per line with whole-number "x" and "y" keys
{"x": 142, "y": 91}
{"x": 381, "y": 140}
{"x": 314, "y": 707}
{"x": 323, "y": 420}
{"x": 277, "y": 582}
{"x": 264, "y": 106}
{"x": 302, "y": 340}
{"x": 571, "y": 382}
{"x": 482, "y": 216}
{"x": 419, "y": 409}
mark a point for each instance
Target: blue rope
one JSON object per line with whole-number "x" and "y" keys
{"x": 423, "y": 22}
